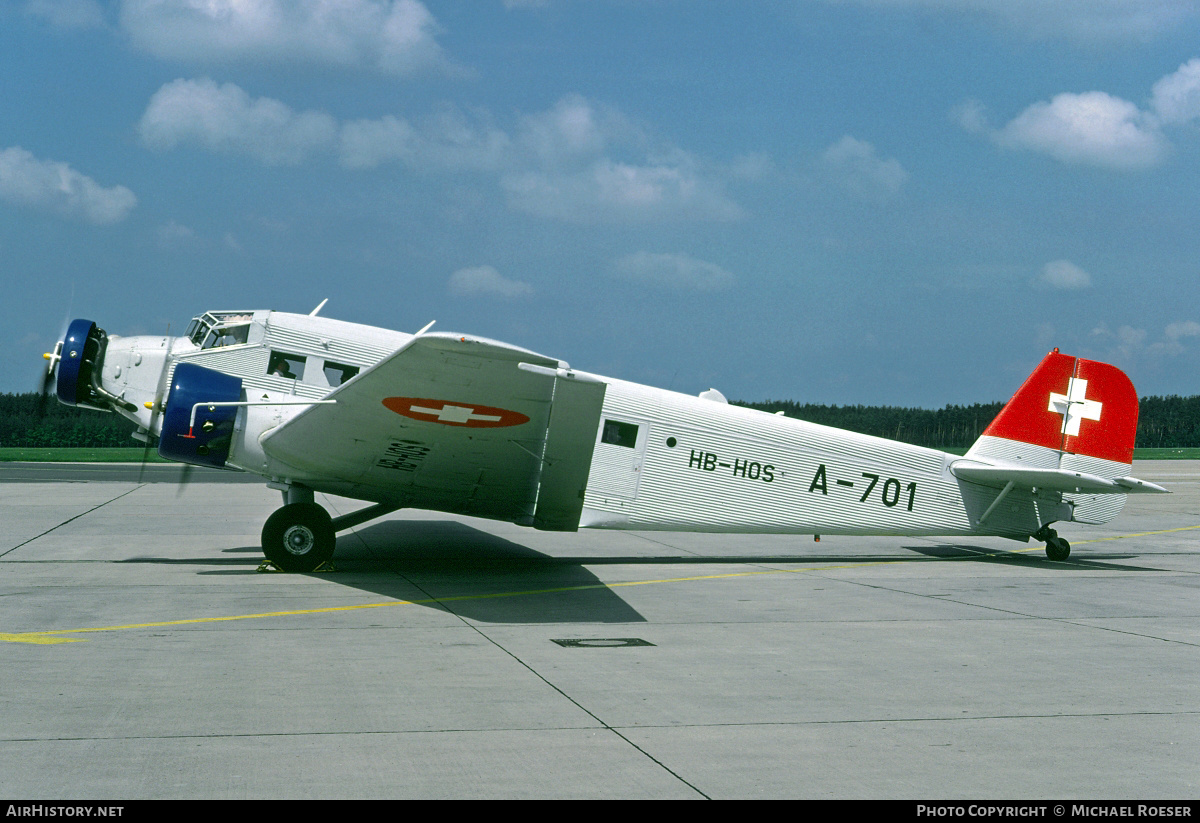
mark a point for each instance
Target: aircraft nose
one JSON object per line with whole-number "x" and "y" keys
{"x": 78, "y": 360}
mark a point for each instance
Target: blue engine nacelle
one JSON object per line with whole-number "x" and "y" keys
{"x": 203, "y": 440}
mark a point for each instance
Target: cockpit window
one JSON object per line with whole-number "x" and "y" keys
{"x": 288, "y": 366}
{"x": 220, "y": 328}
{"x": 226, "y": 336}
{"x": 336, "y": 374}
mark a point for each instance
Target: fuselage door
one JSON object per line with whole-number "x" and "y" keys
{"x": 620, "y": 453}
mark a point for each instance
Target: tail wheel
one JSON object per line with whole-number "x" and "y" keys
{"x": 1057, "y": 548}
{"x": 299, "y": 537}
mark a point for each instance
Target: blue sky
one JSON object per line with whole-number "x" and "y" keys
{"x": 902, "y": 202}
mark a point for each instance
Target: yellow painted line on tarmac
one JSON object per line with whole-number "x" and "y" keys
{"x": 1139, "y": 534}
{"x": 56, "y": 635}
{"x": 53, "y": 636}
{"x": 1114, "y": 537}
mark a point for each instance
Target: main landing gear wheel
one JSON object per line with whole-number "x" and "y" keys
{"x": 299, "y": 537}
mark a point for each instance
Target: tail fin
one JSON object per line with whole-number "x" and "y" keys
{"x": 1070, "y": 413}
{"x": 1069, "y": 428}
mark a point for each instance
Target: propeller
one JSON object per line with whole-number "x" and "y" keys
{"x": 50, "y": 375}
{"x": 185, "y": 477}
{"x": 156, "y": 411}
{"x": 156, "y": 408}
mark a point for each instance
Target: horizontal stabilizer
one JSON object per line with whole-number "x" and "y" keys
{"x": 1132, "y": 484}
{"x": 1062, "y": 480}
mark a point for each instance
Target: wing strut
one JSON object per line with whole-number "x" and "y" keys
{"x": 1007, "y": 488}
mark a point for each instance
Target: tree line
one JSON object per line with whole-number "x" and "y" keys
{"x": 28, "y": 420}
{"x": 1163, "y": 422}
{"x": 32, "y": 421}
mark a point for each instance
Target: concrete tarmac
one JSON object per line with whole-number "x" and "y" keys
{"x": 144, "y": 656}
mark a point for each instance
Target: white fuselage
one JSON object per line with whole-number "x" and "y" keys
{"x": 702, "y": 465}
{"x": 662, "y": 460}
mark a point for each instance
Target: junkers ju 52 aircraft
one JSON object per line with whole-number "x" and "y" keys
{"x": 462, "y": 424}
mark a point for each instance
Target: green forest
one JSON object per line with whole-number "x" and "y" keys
{"x": 28, "y": 420}
{"x": 1163, "y": 422}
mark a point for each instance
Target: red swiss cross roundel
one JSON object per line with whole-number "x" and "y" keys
{"x": 454, "y": 413}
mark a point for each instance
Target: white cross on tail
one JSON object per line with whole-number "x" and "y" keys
{"x": 1074, "y": 406}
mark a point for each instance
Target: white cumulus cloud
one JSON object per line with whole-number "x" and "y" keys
{"x": 577, "y": 162}
{"x": 1093, "y": 128}
{"x": 1063, "y": 275}
{"x": 1176, "y": 97}
{"x": 1176, "y": 334}
{"x": 856, "y": 167}
{"x": 1187, "y": 328}
{"x": 226, "y": 119}
{"x": 449, "y": 140}
{"x": 391, "y": 36}
{"x": 53, "y": 186}
{"x": 1128, "y": 342}
{"x": 611, "y": 190}
{"x": 583, "y": 162}
{"x": 675, "y": 272}
{"x": 485, "y": 281}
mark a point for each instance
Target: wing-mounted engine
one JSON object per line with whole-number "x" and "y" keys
{"x": 201, "y": 408}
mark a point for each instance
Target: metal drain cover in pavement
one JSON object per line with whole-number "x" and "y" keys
{"x": 601, "y": 642}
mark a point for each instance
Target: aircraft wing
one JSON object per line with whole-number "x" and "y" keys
{"x": 458, "y": 424}
{"x": 1062, "y": 480}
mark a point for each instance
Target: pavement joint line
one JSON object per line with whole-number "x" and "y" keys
{"x": 569, "y": 698}
{"x": 397, "y": 732}
{"x": 55, "y": 636}
{"x": 68, "y": 520}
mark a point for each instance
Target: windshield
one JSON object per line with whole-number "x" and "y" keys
{"x": 220, "y": 328}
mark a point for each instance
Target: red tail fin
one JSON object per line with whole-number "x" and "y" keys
{"x": 1073, "y": 406}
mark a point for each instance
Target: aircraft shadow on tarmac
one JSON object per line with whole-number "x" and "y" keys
{"x": 1076, "y": 563}
{"x": 453, "y": 567}
{"x": 450, "y": 566}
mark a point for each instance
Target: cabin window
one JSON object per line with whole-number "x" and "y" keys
{"x": 288, "y": 366}
{"x": 336, "y": 373}
{"x": 619, "y": 434}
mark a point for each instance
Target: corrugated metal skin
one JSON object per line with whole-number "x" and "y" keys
{"x": 320, "y": 338}
{"x": 1085, "y": 508}
{"x": 990, "y": 448}
{"x": 347, "y": 343}
{"x": 1096, "y": 508}
{"x": 677, "y": 490}
{"x": 250, "y": 364}
{"x": 376, "y": 451}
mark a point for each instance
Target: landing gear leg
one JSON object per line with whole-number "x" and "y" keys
{"x": 299, "y": 537}
{"x": 1056, "y": 547}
